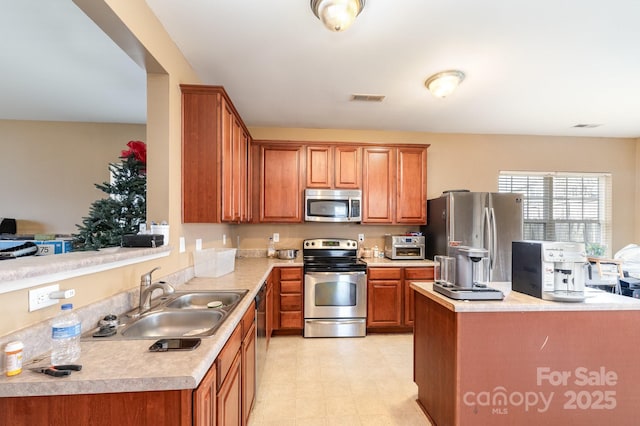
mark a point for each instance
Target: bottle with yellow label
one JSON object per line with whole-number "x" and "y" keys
{"x": 13, "y": 357}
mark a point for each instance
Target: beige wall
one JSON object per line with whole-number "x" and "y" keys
{"x": 480, "y": 159}
{"x": 49, "y": 170}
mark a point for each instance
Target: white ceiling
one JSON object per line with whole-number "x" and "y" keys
{"x": 532, "y": 67}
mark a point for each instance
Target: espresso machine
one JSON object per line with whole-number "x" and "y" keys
{"x": 472, "y": 274}
{"x": 549, "y": 270}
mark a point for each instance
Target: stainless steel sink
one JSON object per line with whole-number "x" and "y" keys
{"x": 175, "y": 324}
{"x": 205, "y": 300}
{"x": 181, "y": 314}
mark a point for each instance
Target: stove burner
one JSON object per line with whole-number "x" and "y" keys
{"x": 331, "y": 255}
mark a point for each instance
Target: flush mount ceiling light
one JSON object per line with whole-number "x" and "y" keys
{"x": 444, "y": 83}
{"x": 337, "y": 15}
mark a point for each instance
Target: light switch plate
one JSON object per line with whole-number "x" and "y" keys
{"x": 39, "y": 298}
{"x": 199, "y": 244}
{"x": 183, "y": 246}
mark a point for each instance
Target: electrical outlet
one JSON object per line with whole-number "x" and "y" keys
{"x": 198, "y": 244}
{"x": 183, "y": 245}
{"x": 224, "y": 239}
{"x": 361, "y": 238}
{"x": 39, "y": 298}
{"x": 276, "y": 237}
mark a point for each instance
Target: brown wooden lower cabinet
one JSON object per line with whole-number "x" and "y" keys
{"x": 390, "y": 299}
{"x": 162, "y": 408}
{"x": 288, "y": 298}
{"x": 223, "y": 398}
{"x": 204, "y": 400}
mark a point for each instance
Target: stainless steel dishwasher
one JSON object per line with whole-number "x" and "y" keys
{"x": 261, "y": 334}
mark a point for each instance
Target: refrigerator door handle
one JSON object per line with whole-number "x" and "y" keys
{"x": 488, "y": 235}
{"x": 494, "y": 239}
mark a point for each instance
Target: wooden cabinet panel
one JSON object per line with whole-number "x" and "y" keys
{"x": 204, "y": 400}
{"x": 319, "y": 167}
{"x": 413, "y": 274}
{"x": 384, "y": 273}
{"x": 229, "y": 397}
{"x": 200, "y": 156}
{"x": 347, "y": 167}
{"x": 227, "y": 355}
{"x": 248, "y": 372}
{"x": 281, "y": 183}
{"x": 288, "y": 301}
{"x": 411, "y": 175}
{"x": 333, "y": 166}
{"x": 384, "y": 307}
{"x": 215, "y": 150}
{"x": 289, "y": 274}
{"x": 291, "y": 320}
{"x": 378, "y": 183}
{"x": 161, "y": 408}
{"x": 390, "y": 300}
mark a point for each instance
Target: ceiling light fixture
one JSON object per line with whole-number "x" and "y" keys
{"x": 444, "y": 83}
{"x": 337, "y": 15}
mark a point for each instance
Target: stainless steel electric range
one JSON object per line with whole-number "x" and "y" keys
{"x": 335, "y": 288}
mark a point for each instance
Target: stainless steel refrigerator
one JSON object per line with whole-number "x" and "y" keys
{"x": 487, "y": 220}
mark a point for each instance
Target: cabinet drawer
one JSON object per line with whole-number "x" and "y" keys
{"x": 291, "y": 287}
{"x": 291, "y": 319}
{"x": 248, "y": 318}
{"x": 290, "y": 302}
{"x": 290, "y": 274}
{"x": 418, "y": 273}
{"x": 384, "y": 273}
{"x": 228, "y": 354}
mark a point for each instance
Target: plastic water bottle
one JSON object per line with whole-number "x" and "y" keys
{"x": 65, "y": 336}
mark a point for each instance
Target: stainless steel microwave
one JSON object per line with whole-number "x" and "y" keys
{"x": 332, "y": 205}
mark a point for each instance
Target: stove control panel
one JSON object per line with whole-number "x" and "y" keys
{"x": 330, "y": 244}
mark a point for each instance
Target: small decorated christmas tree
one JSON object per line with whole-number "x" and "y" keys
{"x": 125, "y": 208}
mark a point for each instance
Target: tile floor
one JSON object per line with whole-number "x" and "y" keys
{"x": 341, "y": 381}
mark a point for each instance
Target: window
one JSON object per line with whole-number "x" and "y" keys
{"x": 564, "y": 206}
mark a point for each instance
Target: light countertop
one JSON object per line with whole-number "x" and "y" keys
{"x": 597, "y": 300}
{"x": 128, "y": 366}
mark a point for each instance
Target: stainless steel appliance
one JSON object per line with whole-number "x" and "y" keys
{"x": 471, "y": 276}
{"x": 398, "y": 247}
{"x": 332, "y": 205}
{"x": 261, "y": 334}
{"x": 475, "y": 219}
{"x": 550, "y": 270}
{"x": 335, "y": 289}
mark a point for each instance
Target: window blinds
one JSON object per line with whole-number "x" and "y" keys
{"x": 563, "y": 206}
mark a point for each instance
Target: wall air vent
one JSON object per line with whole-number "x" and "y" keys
{"x": 367, "y": 98}
{"x": 587, "y": 126}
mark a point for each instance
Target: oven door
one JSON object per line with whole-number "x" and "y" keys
{"x": 335, "y": 295}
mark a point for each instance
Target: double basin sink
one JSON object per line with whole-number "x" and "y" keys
{"x": 180, "y": 314}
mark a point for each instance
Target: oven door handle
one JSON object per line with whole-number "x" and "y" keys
{"x": 341, "y": 321}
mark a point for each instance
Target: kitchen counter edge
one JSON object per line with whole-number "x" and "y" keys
{"x": 519, "y": 302}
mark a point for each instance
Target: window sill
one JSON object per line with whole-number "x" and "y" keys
{"x": 31, "y": 271}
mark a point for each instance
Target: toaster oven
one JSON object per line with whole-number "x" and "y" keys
{"x": 404, "y": 247}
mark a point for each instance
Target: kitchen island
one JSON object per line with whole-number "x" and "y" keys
{"x": 526, "y": 361}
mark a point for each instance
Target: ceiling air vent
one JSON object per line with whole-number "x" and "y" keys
{"x": 587, "y": 126}
{"x": 367, "y": 98}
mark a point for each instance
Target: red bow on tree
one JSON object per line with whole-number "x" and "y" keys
{"x": 138, "y": 149}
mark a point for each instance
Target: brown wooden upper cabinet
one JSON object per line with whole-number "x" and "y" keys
{"x": 215, "y": 158}
{"x": 334, "y": 167}
{"x": 394, "y": 185}
{"x": 279, "y": 169}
